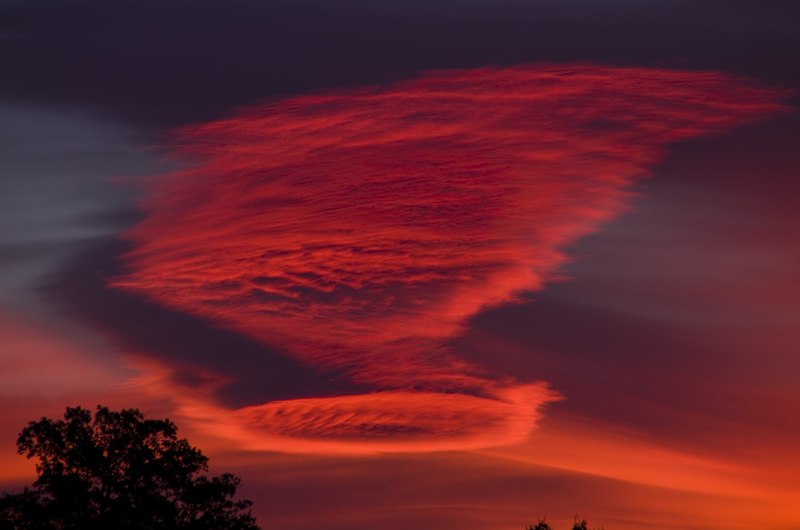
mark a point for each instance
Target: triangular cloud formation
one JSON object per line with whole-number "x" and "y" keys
{"x": 359, "y": 230}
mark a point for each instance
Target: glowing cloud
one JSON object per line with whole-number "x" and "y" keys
{"x": 359, "y": 230}
{"x": 390, "y": 421}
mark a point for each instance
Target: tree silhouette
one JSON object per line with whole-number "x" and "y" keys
{"x": 119, "y": 471}
{"x": 542, "y": 525}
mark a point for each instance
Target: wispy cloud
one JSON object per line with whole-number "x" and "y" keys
{"x": 359, "y": 230}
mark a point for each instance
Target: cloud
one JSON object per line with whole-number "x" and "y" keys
{"x": 389, "y": 421}
{"x": 359, "y": 230}
{"x": 55, "y": 194}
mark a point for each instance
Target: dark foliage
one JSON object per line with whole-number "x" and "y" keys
{"x": 119, "y": 471}
{"x": 542, "y": 525}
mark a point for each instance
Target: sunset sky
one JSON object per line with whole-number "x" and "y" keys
{"x": 416, "y": 265}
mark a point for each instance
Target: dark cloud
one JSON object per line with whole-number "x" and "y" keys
{"x": 165, "y": 63}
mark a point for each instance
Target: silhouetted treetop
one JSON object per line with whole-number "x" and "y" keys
{"x": 542, "y": 525}
{"x": 120, "y": 471}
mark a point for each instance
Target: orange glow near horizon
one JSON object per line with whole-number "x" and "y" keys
{"x": 360, "y": 230}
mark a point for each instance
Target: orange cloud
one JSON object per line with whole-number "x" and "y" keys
{"x": 359, "y": 230}
{"x": 389, "y": 421}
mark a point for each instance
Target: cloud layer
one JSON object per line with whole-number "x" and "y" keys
{"x": 359, "y": 230}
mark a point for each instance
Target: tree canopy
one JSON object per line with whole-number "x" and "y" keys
{"x": 579, "y": 525}
{"x": 120, "y": 471}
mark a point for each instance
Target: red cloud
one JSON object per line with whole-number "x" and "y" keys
{"x": 359, "y": 230}
{"x": 390, "y": 421}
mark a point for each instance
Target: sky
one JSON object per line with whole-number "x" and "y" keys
{"x": 429, "y": 265}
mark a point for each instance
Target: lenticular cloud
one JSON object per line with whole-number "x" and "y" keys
{"x": 359, "y": 230}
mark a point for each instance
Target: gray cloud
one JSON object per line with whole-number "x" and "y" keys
{"x": 56, "y": 190}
